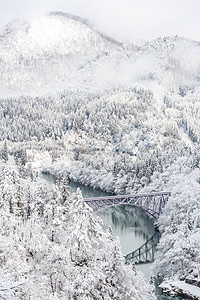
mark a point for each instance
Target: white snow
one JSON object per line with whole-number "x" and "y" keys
{"x": 182, "y": 287}
{"x": 51, "y": 53}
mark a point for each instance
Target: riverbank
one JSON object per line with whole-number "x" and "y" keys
{"x": 182, "y": 288}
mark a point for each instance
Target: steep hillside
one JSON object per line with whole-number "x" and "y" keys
{"x": 47, "y": 50}
{"x": 138, "y": 105}
{"x": 59, "y": 51}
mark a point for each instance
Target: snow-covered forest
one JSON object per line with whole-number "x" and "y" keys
{"x": 120, "y": 117}
{"x": 52, "y": 247}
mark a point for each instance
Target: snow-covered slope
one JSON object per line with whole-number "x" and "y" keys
{"x": 53, "y": 34}
{"x": 47, "y": 49}
{"x": 59, "y": 51}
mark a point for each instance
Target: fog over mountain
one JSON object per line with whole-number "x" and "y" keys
{"x": 124, "y": 20}
{"x": 59, "y": 50}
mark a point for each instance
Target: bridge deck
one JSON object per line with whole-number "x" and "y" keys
{"x": 127, "y": 196}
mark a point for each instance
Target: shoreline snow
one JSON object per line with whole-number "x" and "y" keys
{"x": 181, "y": 288}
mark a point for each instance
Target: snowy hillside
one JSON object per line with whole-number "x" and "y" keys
{"x": 137, "y": 105}
{"x": 46, "y": 49}
{"x": 60, "y": 51}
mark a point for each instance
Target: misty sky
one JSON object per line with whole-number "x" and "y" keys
{"x": 125, "y": 20}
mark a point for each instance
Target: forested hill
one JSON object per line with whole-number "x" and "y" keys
{"x": 59, "y": 51}
{"x": 45, "y": 51}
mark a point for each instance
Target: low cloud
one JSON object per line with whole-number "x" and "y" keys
{"x": 125, "y": 20}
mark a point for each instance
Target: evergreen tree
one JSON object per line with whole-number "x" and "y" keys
{"x": 4, "y": 152}
{"x": 24, "y": 157}
{"x": 64, "y": 189}
{"x": 96, "y": 264}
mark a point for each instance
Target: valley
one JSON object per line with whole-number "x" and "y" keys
{"x": 121, "y": 118}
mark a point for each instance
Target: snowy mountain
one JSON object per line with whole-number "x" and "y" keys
{"x": 60, "y": 51}
{"x": 83, "y": 78}
{"x": 48, "y": 49}
{"x": 151, "y": 90}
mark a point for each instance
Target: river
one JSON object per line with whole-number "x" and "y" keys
{"x": 130, "y": 224}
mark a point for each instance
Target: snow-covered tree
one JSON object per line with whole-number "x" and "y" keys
{"x": 10, "y": 290}
{"x": 178, "y": 250}
{"x": 95, "y": 261}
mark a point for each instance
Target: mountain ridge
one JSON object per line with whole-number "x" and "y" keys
{"x": 58, "y": 51}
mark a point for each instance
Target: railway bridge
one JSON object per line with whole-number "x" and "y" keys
{"x": 151, "y": 203}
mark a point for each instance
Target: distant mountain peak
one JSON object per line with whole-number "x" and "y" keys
{"x": 55, "y": 32}
{"x": 85, "y": 22}
{"x": 69, "y": 16}
{"x": 59, "y": 50}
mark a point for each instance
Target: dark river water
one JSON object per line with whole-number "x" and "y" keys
{"x": 130, "y": 224}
